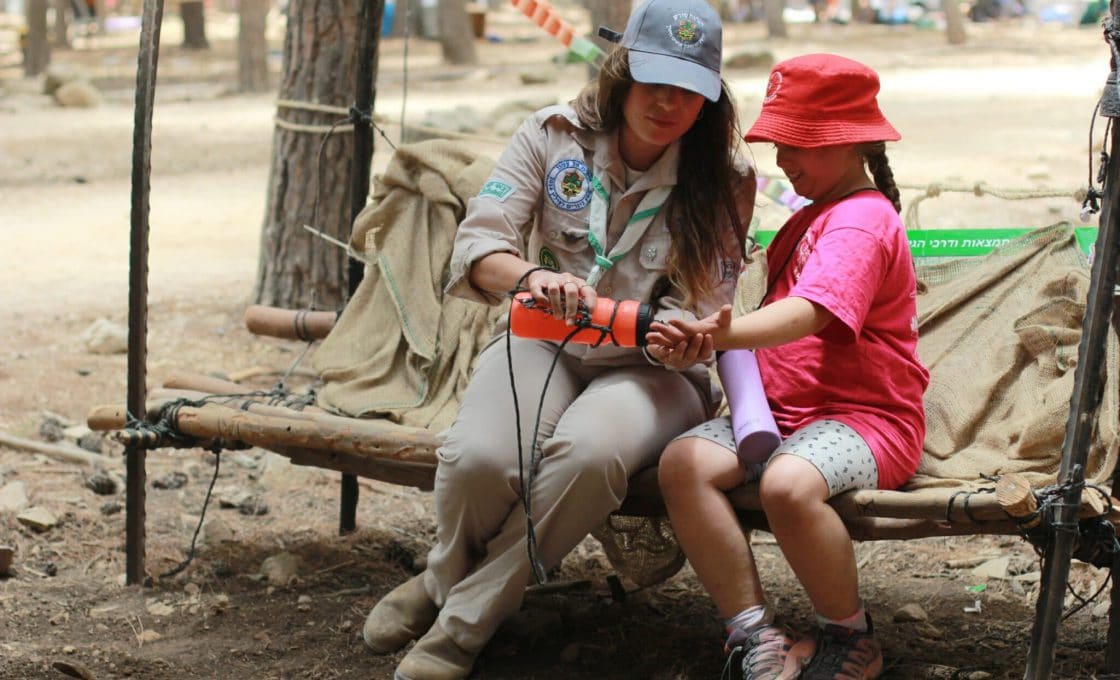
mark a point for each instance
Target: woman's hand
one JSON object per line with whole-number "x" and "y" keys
{"x": 683, "y": 354}
{"x": 561, "y": 292}
{"x": 681, "y": 332}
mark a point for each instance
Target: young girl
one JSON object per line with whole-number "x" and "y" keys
{"x": 632, "y": 192}
{"x": 836, "y": 341}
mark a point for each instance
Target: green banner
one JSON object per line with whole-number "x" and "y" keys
{"x": 963, "y": 242}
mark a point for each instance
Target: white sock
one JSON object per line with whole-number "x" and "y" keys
{"x": 748, "y": 622}
{"x": 856, "y": 622}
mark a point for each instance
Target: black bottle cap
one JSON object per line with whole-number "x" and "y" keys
{"x": 641, "y": 327}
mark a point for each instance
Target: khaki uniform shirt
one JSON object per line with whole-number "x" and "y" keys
{"x": 537, "y": 203}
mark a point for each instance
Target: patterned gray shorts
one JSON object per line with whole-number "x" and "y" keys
{"x": 841, "y": 455}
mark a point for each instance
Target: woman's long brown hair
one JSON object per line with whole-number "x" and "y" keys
{"x": 703, "y": 201}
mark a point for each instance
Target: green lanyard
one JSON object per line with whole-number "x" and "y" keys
{"x": 636, "y": 227}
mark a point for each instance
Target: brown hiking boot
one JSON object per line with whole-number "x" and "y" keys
{"x": 403, "y": 615}
{"x": 436, "y": 657}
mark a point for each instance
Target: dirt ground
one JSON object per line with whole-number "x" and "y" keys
{"x": 1011, "y": 109}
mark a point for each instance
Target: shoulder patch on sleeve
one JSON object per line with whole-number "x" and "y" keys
{"x": 500, "y": 191}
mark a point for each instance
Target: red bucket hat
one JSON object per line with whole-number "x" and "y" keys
{"x": 821, "y": 100}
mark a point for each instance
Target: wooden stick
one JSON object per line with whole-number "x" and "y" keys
{"x": 374, "y": 438}
{"x": 644, "y": 499}
{"x": 161, "y": 395}
{"x": 275, "y": 428}
{"x": 257, "y": 371}
{"x": 1015, "y": 495}
{"x": 420, "y": 475}
{"x": 205, "y": 383}
{"x": 290, "y": 324}
{"x": 108, "y": 417}
{"x": 60, "y": 452}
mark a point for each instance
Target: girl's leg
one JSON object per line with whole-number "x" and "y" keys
{"x": 695, "y": 475}
{"x": 696, "y": 471}
{"x": 817, "y": 462}
{"x": 811, "y": 535}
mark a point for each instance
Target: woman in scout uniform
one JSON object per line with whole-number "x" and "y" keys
{"x": 634, "y": 191}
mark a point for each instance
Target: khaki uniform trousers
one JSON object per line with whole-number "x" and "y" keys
{"x": 599, "y": 425}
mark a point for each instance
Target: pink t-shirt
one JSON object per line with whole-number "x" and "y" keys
{"x": 862, "y": 369}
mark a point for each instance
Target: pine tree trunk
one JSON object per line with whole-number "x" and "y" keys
{"x": 775, "y": 22}
{"x": 99, "y": 12}
{"x": 62, "y": 24}
{"x": 194, "y": 25}
{"x": 38, "y": 54}
{"x": 252, "y": 49}
{"x": 609, "y": 13}
{"x": 954, "y": 23}
{"x": 456, "y": 36}
{"x": 297, "y": 268}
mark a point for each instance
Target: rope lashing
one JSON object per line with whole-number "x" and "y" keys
{"x": 980, "y": 189}
{"x": 315, "y": 108}
{"x": 163, "y": 432}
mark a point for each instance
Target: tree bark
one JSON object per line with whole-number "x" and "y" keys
{"x": 297, "y": 268}
{"x": 456, "y": 36}
{"x": 609, "y": 13}
{"x": 954, "y": 23}
{"x": 775, "y": 22}
{"x": 252, "y": 48}
{"x": 38, "y": 54}
{"x": 194, "y": 25}
{"x": 99, "y": 11}
{"x": 62, "y": 24}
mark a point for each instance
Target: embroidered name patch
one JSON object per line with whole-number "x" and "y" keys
{"x": 500, "y": 191}
{"x": 568, "y": 186}
{"x": 548, "y": 259}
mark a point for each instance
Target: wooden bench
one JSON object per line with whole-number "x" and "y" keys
{"x": 210, "y": 412}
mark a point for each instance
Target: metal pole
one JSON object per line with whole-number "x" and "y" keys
{"x": 1083, "y": 405}
{"x": 369, "y": 19}
{"x": 1112, "y": 649}
{"x": 147, "y": 60}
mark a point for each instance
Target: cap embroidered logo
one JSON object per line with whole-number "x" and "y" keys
{"x": 687, "y": 31}
{"x": 772, "y": 87}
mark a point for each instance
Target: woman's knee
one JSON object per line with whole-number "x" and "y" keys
{"x": 591, "y": 468}
{"x": 475, "y": 466}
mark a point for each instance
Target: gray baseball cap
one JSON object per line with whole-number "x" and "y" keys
{"x": 674, "y": 42}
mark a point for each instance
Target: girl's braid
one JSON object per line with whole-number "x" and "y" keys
{"x": 876, "y": 156}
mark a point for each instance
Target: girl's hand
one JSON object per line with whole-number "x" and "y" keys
{"x": 561, "y": 292}
{"x": 679, "y": 331}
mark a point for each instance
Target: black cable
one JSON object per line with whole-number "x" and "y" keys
{"x": 201, "y": 516}
{"x": 319, "y": 170}
{"x": 526, "y": 479}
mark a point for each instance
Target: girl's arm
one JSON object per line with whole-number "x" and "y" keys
{"x": 780, "y": 322}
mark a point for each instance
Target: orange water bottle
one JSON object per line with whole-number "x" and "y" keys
{"x": 623, "y": 323}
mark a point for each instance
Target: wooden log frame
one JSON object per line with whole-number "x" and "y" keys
{"x": 406, "y": 456}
